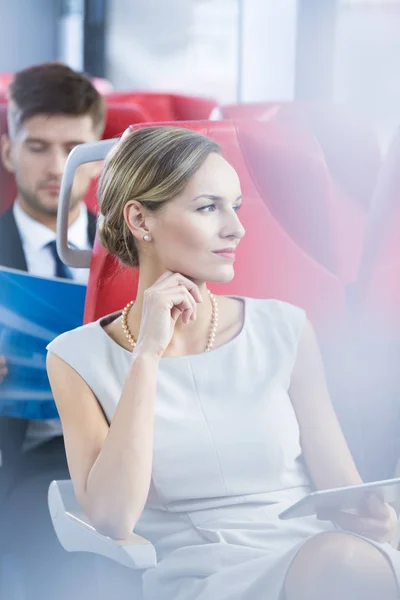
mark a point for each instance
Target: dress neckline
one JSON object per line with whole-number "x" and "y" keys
{"x": 236, "y": 339}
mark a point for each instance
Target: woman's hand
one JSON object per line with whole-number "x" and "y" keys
{"x": 3, "y": 368}
{"x": 373, "y": 519}
{"x": 170, "y": 297}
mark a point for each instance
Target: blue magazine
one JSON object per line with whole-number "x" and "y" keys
{"x": 33, "y": 311}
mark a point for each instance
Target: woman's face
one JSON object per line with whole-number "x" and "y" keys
{"x": 197, "y": 232}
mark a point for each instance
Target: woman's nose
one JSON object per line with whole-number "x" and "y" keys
{"x": 233, "y": 227}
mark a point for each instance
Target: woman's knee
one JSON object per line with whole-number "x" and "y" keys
{"x": 339, "y": 564}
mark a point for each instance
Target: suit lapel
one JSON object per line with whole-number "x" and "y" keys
{"x": 11, "y": 251}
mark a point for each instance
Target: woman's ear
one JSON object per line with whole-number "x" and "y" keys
{"x": 135, "y": 217}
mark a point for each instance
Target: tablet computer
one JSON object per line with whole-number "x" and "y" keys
{"x": 344, "y": 498}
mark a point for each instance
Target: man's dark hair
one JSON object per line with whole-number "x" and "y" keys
{"x": 53, "y": 89}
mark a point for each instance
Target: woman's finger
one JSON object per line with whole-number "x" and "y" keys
{"x": 368, "y": 527}
{"x": 177, "y": 278}
{"x": 180, "y": 298}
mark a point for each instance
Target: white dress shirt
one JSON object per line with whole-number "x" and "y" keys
{"x": 35, "y": 237}
{"x": 40, "y": 261}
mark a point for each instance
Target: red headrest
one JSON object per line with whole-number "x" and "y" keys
{"x": 166, "y": 107}
{"x": 352, "y": 153}
{"x": 270, "y": 262}
{"x": 119, "y": 117}
{"x": 350, "y": 145}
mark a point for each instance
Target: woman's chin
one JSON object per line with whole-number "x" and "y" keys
{"x": 221, "y": 276}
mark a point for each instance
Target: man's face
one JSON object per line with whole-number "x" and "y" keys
{"x": 37, "y": 158}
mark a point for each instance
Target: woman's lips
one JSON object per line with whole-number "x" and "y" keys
{"x": 229, "y": 254}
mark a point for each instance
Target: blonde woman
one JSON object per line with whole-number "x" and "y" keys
{"x": 197, "y": 419}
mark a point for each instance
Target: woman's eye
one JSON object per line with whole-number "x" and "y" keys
{"x": 238, "y": 207}
{"x": 206, "y": 208}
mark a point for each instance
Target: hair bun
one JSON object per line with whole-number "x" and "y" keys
{"x": 118, "y": 241}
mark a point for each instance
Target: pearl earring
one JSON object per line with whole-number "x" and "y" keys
{"x": 146, "y": 237}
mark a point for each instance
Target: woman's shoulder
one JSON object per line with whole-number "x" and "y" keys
{"x": 278, "y": 309}
{"x": 277, "y": 317}
{"x": 83, "y": 339}
{"x": 79, "y": 335}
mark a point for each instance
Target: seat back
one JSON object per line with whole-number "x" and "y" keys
{"x": 378, "y": 286}
{"x": 166, "y": 107}
{"x": 352, "y": 153}
{"x": 271, "y": 263}
{"x": 120, "y": 116}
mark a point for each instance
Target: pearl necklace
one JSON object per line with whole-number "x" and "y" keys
{"x": 213, "y": 330}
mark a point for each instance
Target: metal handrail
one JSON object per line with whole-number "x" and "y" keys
{"x": 80, "y": 155}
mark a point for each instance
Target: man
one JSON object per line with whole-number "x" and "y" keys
{"x": 51, "y": 110}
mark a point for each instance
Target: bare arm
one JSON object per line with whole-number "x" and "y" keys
{"x": 325, "y": 449}
{"x": 110, "y": 466}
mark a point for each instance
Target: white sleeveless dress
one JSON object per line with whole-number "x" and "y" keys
{"x": 227, "y": 457}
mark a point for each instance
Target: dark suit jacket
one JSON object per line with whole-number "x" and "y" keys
{"x": 12, "y": 431}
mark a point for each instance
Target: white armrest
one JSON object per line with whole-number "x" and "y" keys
{"x": 76, "y": 534}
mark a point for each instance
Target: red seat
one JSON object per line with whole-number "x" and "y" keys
{"x": 270, "y": 262}
{"x": 352, "y": 153}
{"x": 119, "y": 117}
{"x": 166, "y": 107}
{"x": 378, "y": 286}
{"x": 375, "y": 372}
{"x": 117, "y": 120}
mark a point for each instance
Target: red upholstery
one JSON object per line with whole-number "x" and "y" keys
{"x": 118, "y": 119}
{"x": 270, "y": 263}
{"x": 378, "y": 288}
{"x": 352, "y": 152}
{"x": 166, "y": 107}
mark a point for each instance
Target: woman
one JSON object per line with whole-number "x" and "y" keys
{"x": 216, "y": 405}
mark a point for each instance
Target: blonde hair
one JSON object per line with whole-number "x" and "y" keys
{"x": 151, "y": 165}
